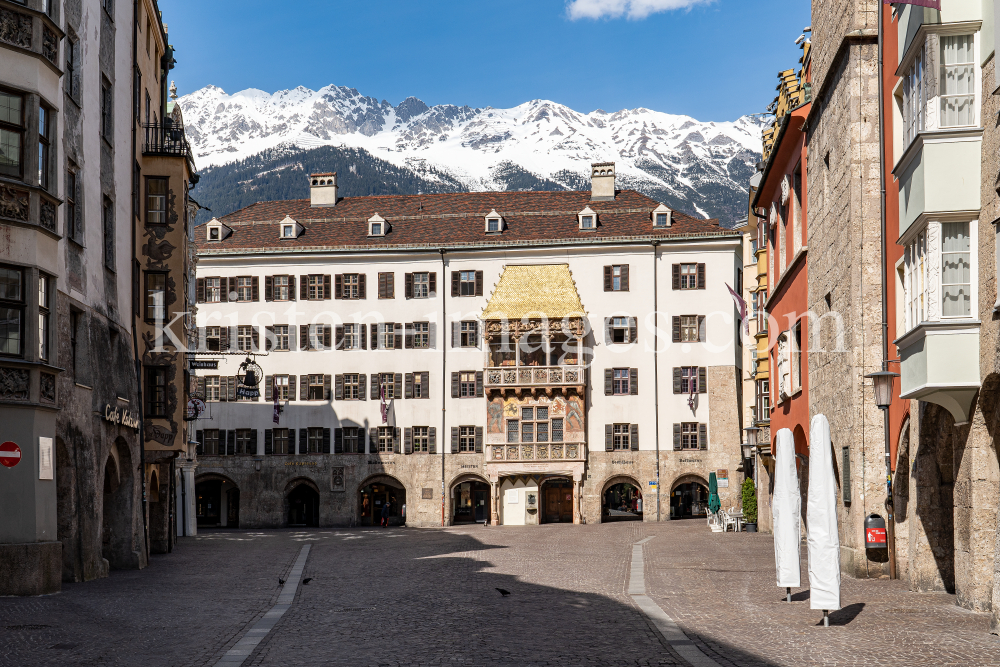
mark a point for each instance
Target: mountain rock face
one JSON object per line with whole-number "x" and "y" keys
{"x": 700, "y": 168}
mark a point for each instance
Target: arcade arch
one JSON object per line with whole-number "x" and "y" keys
{"x": 689, "y": 497}
{"x": 377, "y": 492}
{"x": 217, "y": 501}
{"x": 621, "y": 499}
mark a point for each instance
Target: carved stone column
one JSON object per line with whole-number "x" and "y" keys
{"x": 576, "y": 501}
{"x": 494, "y": 503}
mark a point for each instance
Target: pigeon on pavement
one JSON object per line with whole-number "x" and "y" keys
{"x": 503, "y": 592}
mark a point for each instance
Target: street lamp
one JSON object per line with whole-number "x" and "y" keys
{"x": 752, "y": 432}
{"x": 882, "y": 381}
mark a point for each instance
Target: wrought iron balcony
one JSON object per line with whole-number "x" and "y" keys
{"x": 535, "y": 376}
{"x": 165, "y": 139}
{"x": 542, "y": 451}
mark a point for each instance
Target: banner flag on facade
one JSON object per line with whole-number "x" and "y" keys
{"x": 741, "y": 306}
{"x": 383, "y": 406}
{"x": 933, "y": 4}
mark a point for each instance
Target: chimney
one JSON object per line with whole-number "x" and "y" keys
{"x": 323, "y": 189}
{"x": 602, "y": 181}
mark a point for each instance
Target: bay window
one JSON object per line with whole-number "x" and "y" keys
{"x": 956, "y": 270}
{"x": 958, "y": 86}
{"x": 937, "y": 270}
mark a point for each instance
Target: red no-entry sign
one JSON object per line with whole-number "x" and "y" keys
{"x": 10, "y": 454}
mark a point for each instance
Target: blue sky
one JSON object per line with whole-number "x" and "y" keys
{"x": 711, "y": 59}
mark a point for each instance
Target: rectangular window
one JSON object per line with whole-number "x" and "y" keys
{"x": 353, "y": 443}
{"x": 621, "y": 439}
{"x": 352, "y": 337}
{"x": 467, "y": 384}
{"x": 279, "y": 441}
{"x": 689, "y": 328}
{"x": 282, "y": 288}
{"x": 213, "y": 290}
{"x": 156, "y": 201}
{"x": 387, "y": 384}
{"x": 386, "y": 336}
{"x": 513, "y": 430}
{"x": 421, "y": 438}
{"x": 317, "y": 391}
{"x": 421, "y": 335}
{"x": 108, "y": 220}
{"x": 107, "y": 105}
{"x": 213, "y": 338}
{"x": 44, "y": 291}
{"x": 420, "y": 388}
{"x": 244, "y": 288}
{"x": 467, "y": 283}
{"x": 956, "y": 270}
{"x": 352, "y": 387}
{"x": 468, "y": 334}
{"x": 352, "y": 286}
{"x": 280, "y": 332}
{"x": 467, "y": 439}
{"x": 541, "y": 431}
{"x": 244, "y": 338}
{"x": 385, "y": 439}
{"x": 763, "y": 400}
{"x": 11, "y": 134}
{"x": 315, "y": 441}
{"x": 156, "y": 392}
{"x": 281, "y": 387}
{"x": 958, "y": 87}
{"x": 616, "y": 278}
{"x": 244, "y": 445}
{"x": 72, "y": 73}
{"x": 316, "y": 290}
{"x": 914, "y": 98}
{"x": 44, "y": 137}
{"x": 689, "y": 276}
{"x": 421, "y": 285}
{"x": 156, "y": 294}
{"x": 71, "y": 213}
{"x": 212, "y": 388}
{"x": 796, "y": 356}
{"x": 493, "y": 224}
{"x": 619, "y": 330}
{"x": 211, "y": 447}
{"x": 689, "y": 435}
{"x": 557, "y": 430}
{"x": 586, "y": 222}
{"x": 620, "y": 381}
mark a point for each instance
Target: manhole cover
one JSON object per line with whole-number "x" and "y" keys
{"x": 27, "y": 627}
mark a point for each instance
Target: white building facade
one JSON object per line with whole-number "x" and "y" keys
{"x": 544, "y": 356}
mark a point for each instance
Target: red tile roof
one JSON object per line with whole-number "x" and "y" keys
{"x": 453, "y": 220}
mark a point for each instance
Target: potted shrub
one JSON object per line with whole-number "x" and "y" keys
{"x": 749, "y": 506}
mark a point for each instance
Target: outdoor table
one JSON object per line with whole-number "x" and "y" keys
{"x": 739, "y": 520}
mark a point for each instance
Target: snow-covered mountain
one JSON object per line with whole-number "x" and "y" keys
{"x": 699, "y": 167}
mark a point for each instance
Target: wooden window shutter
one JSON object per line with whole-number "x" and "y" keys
{"x": 676, "y": 326}
{"x": 432, "y": 335}
{"x": 338, "y": 286}
{"x": 230, "y": 443}
{"x": 432, "y": 284}
{"x": 479, "y": 335}
{"x": 398, "y": 336}
{"x": 292, "y": 340}
{"x": 609, "y": 381}
{"x": 624, "y": 277}
{"x": 223, "y": 290}
{"x": 425, "y": 382}
{"x": 338, "y": 337}
{"x": 255, "y": 288}
{"x": 303, "y": 287}
{"x": 375, "y": 340}
{"x": 223, "y": 339}
{"x": 432, "y": 440}
{"x": 291, "y": 288}
{"x": 326, "y": 439}
{"x": 454, "y": 440}
{"x": 232, "y": 388}
{"x": 407, "y": 440}
{"x": 268, "y": 288}
{"x": 609, "y": 437}
{"x": 633, "y": 330}
{"x": 390, "y": 285}
{"x": 633, "y": 437}
{"x": 479, "y": 283}
{"x": 408, "y": 387}
{"x": 200, "y": 437}
{"x": 268, "y": 394}
{"x": 455, "y": 283}
{"x": 397, "y": 385}
{"x": 607, "y": 278}
{"x": 454, "y": 384}
{"x": 268, "y": 338}
{"x": 326, "y": 387}
{"x": 633, "y": 381}
{"x": 479, "y": 384}
{"x": 362, "y": 381}
{"x": 375, "y": 380}
{"x": 338, "y": 441}
{"x": 676, "y": 276}
{"x": 382, "y": 289}
{"x": 304, "y": 389}
{"x": 702, "y": 337}
{"x": 361, "y": 286}
{"x": 268, "y": 442}
{"x": 292, "y": 380}
{"x": 408, "y": 285}
{"x": 702, "y": 380}
{"x": 408, "y": 336}
{"x": 364, "y": 337}
{"x": 303, "y": 441}
{"x": 678, "y": 379}
{"x": 701, "y": 276}
{"x": 201, "y": 388}
{"x": 702, "y": 436}
{"x": 677, "y": 437}
{"x": 255, "y": 338}
{"x": 395, "y": 440}
{"x": 455, "y": 334}
{"x": 373, "y": 440}
{"x": 327, "y": 330}
{"x": 607, "y": 331}
{"x": 304, "y": 337}
{"x": 223, "y": 388}
{"x": 200, "y": 296}
{"x": 479, "y": 440}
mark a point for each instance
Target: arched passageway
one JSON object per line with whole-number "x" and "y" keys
{"x": 621, "y": 500}
{"x": 557, "y": 500}
{"x": 217, "y": 502}
{"x": 689, "y": 498}
{"x": 303, "y": 506}
{"x": 377, "y": 494}
{"x": 116, "y": 510}
{"x": 470, "y": 500}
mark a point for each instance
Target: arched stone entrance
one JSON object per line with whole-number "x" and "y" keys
{"x": 377, "y": 492}
{"x": 116, "y": 510}
{"x": 217, "y": 501}
{"x": 556, "y": 495}
{"x": 621, "y": 499}
{"x": 302, "y": 502}
{"x": 689, "y": 497}
{"x": 470, "y": 499}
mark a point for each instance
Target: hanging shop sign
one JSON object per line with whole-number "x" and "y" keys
{"x": 10, "y": 454}
{"x": 204, "y": 364}
{"x": 248, "y": 380}
{"x": 121, "y": 417}
{"x": 195, "y": 408}
{"x": 722, "y": 477}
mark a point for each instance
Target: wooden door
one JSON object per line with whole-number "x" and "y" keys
{"x": 552, "y": 504}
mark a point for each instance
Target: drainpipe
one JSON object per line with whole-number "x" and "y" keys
{"x": 444, "y": 374}
{"x": 891, "y": 521}
{"x": 656, "y": 376}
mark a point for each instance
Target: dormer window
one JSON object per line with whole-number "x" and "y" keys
{"x": 289, "y": 228}
{"x": 288, "y": 231}
{"x": 216, "y": 231}
{"x": 494, "y": 222}
{"x": 587, "y": 219}
{"x": 213, "y": 233}
{"x": 377, "y": 226}
{"x": 662, "y": 216}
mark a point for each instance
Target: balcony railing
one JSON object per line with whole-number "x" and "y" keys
{"x": 535, "y": 376}
{"x": 165, "y": 139}
{"x": 552, "y": 451}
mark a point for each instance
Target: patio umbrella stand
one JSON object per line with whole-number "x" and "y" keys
{"x": 786, "y": 510}
{"x": 822, "y": 535}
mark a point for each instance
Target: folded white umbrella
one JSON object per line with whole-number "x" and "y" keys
{"x": 822, "y": 536}
{"x": 786, "y": 507}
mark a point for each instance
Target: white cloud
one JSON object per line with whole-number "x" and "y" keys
{"x": 633, "y": 9}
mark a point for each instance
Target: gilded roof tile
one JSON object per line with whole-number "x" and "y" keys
{"x": 532, "y": 291}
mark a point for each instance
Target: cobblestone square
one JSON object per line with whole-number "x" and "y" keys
{"x": 404, "y": 596}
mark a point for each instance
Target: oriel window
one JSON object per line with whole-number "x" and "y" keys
{"x": 156, "y": 292}
{"x": 156, "y": 201}
{"x": 44, "y": 296}
{"x": 44, "y": 130}
{"x": 11, "y": 311}
{"x": 11, "y": 134}
{"x": 156, "y": 391}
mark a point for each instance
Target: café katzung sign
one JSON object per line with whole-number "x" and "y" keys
{"x": 122, "y": 418}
